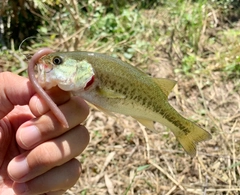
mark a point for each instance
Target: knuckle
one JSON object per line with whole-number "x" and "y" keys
{"x": 6, "y": 74}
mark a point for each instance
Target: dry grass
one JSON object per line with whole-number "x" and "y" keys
{"x": 125, "y": 158}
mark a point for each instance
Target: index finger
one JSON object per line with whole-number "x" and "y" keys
{"x": 14, "y": 90}
{"x": 39, "y": 106}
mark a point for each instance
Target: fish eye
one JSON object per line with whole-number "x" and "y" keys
{"x": 57, "y": 60}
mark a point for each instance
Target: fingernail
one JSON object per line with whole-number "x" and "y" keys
{"x": 39, "y": 106}
{"x": 20, "y": 188}
{"x": 29, "y": 136}
{"x": 18, "y": 168}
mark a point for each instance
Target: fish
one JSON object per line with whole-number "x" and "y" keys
{"x": 114, "y": 86}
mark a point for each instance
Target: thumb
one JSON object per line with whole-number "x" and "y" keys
{"x": 14, "y": 90}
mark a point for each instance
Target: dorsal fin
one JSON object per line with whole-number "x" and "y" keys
{"x": 165, "y": 84}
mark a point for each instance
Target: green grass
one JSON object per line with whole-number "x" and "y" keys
{"x": 199, "y": 42}
{"x": 187, "y": 30}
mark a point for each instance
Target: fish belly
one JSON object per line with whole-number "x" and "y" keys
{"x": 186, "y": 132}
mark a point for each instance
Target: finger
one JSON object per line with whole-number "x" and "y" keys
{"x": 53, "y": 182}
{"x": 46, "y": 127}
{"x": 39, "y": 107}
{"x": 18, "y": 116}
{"x": 14, "y": 90}
{"x": 60, "y": 192}
{"x": 48, "y": 155}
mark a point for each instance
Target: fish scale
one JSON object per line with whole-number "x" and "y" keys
{"x": 120, "y": 87}
{"x": 132, "y": 93}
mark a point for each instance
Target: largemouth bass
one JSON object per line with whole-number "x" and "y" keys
{"x": 112, "y": 85}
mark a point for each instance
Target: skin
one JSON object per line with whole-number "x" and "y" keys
{"x": 37, "y": 155}
{"x": 35, "y": 58}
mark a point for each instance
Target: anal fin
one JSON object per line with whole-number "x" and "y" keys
{"x": 147, "y": 123}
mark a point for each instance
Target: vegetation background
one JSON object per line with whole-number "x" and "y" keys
{"x": 195, "y": 42}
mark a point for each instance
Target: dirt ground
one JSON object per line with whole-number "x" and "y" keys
{"x": 125, "y": 158}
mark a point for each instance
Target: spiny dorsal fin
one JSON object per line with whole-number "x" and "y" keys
{"x": 165, "y": 84}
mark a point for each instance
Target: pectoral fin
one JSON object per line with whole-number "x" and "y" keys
{"x": 165, "y": 84}
{"x": 109, "y": 93}
{"x": 147, "y": 123}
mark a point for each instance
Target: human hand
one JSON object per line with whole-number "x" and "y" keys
{"x": 37, "y": 155}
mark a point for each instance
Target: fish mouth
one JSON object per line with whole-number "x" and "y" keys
{"x": 44, "y": 75}
{"x": 43, "y": 66}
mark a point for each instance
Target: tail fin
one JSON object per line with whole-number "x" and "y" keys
{"x": 189, "y": 140}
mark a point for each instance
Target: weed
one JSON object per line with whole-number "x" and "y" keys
{"x": 198, "y": 41}
{"x": 134, "y": 174}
